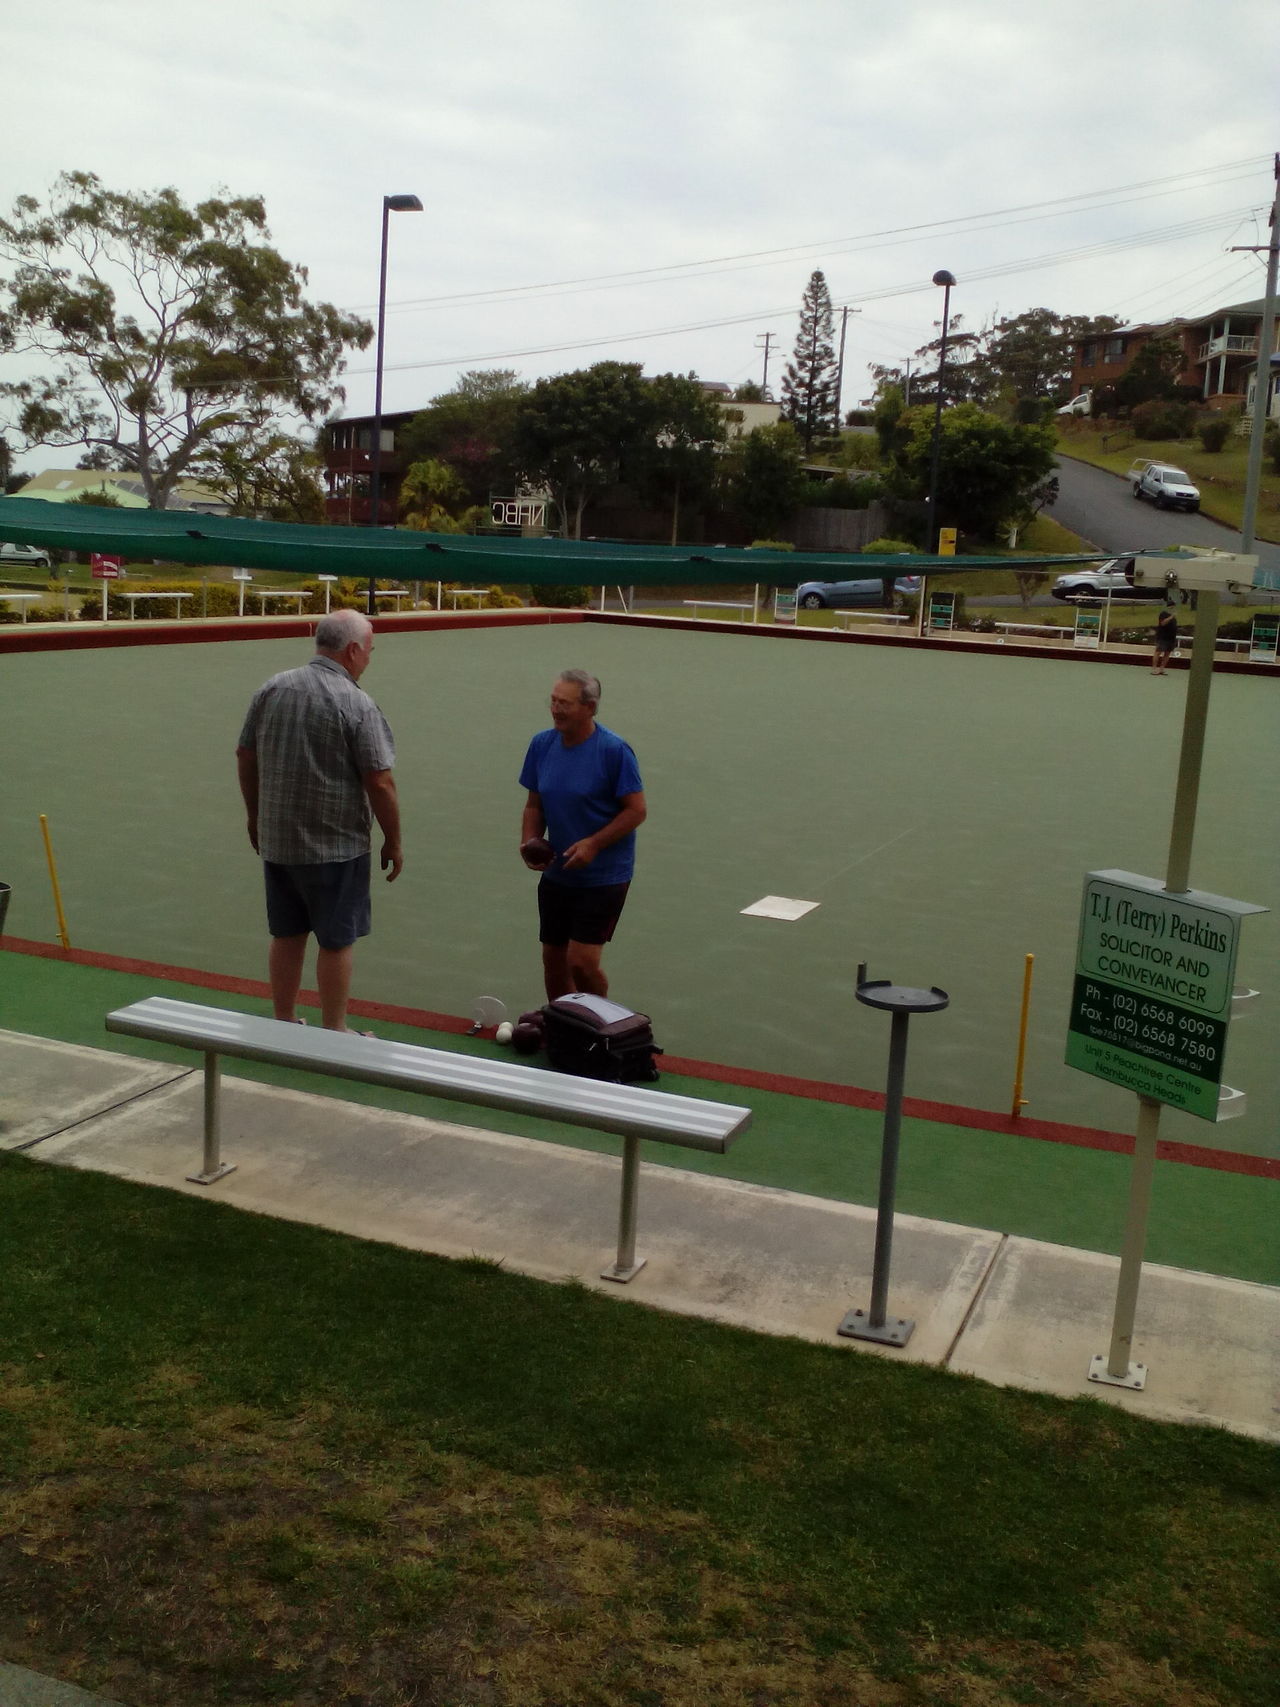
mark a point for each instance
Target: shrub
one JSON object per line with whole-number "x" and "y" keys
{"x": 771, "y": 545}
{"x": 1162, "y": 420}
{"x": 562, "y": 598}
{"x": 1215, "y": 432}
{"x": 1271, "y": 444}
{"x": 888, "y": 547}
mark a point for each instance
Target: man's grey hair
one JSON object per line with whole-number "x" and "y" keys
{"x": 335, "y": 632}
{"x": 588, "y": 684}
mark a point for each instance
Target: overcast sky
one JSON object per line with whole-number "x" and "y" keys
{"x": 654, "y": 180}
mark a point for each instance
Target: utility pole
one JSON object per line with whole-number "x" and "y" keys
{"x": 906, "y": 385}
{"x": 768, "y": 339}
{"x": 1262, "y": 378}
{"x": 844, "y": 321}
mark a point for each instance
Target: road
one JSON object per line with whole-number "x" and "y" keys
{"x": 1100, "y": 508}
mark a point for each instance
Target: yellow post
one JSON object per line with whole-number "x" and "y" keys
{"x": 1019, "y": 1101}
{"x": 946, "y": 542}
{"x": 53, "y": 878}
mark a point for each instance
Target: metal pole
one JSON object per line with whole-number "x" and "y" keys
{"x": 1116, "y": 1369}
{"x": 946, "y": 281}
{"x": 1135, "y": 1239}
{"x": 889, "y": 1167}
{"x": 213, "y": 1168}
{"x": 1193, "y": 726}
{"x": 375, "y": 480}
{"x": 1262, "y": 382}
{"x": 626, "y": 1267}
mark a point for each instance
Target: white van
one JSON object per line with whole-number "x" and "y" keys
{"x": 1081, "y": 405}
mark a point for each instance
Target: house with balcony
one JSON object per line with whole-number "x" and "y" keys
{"x": 1219, "y": 351}
{"x": 348, "y": 469}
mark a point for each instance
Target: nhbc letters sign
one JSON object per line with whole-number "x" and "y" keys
{"x": 1152, "y": 997}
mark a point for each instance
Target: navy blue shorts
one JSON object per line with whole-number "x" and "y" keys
{"x": 567, "y": 914}
{"x": 331, "y": 900}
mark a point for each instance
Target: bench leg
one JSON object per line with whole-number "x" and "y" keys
{"x": 214, "y": 1168}
{"x": 626, "y": 1267}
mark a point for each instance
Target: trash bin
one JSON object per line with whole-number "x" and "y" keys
{"x": 4, "y": 904}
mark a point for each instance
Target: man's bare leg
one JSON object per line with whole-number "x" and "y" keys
{"x": 284, "y": 965}
{"x": 585, "y": 969}
{"x": 556, "y": 976}
{"x": 333, "y": 980}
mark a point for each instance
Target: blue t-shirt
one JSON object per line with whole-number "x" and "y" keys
{"x": 581, "y": 790}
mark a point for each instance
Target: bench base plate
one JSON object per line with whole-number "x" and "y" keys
{"x": 215, "y": 1175}
{"x": 617, "y": 1272}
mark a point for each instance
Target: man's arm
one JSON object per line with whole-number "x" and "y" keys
{"x": 384, "y": 803}
{"x": 633, "y": 814}
{"x": 533, "y": 821}
{"x": 247, "y": 771}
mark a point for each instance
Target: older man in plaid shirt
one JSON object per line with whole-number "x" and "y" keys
{"x": 314, "y": 761}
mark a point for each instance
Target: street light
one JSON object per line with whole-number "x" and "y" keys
{"x": 946, "y": 280}
{"x": 390, "y": 205}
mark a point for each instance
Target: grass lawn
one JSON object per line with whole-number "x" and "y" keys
{"x": 252, "y": 1462}
{"x": 1219, "y": 475}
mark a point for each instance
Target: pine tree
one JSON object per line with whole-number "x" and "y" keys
{"x": 809, "y": 383}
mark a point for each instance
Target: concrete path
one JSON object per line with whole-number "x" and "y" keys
{"x": 22, "y": 1688}
{"x": 1010, "y": 1310}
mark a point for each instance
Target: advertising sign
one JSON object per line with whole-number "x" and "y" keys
{"x": 105, "y": 568}
{"x": 784, "y": 606}
{"x": 1152, "y": 994}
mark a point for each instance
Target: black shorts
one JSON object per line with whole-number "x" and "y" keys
{"x": 331, "y": 900}
{"x": 567, "y": 914}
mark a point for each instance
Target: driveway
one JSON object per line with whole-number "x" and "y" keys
{"x": 1100, "y": 508}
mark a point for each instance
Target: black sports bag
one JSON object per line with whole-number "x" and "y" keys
{"x": 595, "y": 1038}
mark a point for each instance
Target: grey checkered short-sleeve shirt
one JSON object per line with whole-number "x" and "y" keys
{"x": 315, "y": 732}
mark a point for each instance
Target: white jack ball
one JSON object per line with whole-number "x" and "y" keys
{"x": 503, "y": 1033}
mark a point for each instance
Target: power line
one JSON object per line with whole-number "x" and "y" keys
{"x": 675, "y": 271}
{"x": 1168, "y": 234}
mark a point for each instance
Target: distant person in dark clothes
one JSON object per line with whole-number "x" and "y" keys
{"x": 1166, "y": 640}
{"x": 314, "y": 761}
{"x": 585, "y": 797}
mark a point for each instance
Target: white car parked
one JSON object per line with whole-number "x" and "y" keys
{"x": 1168, "y": 488}
{"x": 24, "y": 557}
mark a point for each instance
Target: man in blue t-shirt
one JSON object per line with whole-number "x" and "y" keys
{"x": 586, "y": 798}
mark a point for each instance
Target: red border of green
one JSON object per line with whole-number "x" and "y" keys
{"x": 784, "y": 1084}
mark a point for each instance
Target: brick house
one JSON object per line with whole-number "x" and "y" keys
{"x": 1218, "y": 351}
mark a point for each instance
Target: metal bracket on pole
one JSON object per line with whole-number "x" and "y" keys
{"x": 900, "y": 1001}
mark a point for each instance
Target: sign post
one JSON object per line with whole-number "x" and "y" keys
{"x": 104, "y": 568}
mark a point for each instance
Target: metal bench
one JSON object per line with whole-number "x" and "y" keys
{"x": 718, "y": 604}
{"x": 633, "y": 1112}
{"x": 1057, "y": 630}
{"x": 845, "y": 617}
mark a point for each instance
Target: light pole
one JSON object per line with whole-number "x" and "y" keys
{"x": 946, "y": 280}
{"x": 390, "y": 205}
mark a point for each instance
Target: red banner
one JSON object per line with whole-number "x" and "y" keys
{"x": 105, "y": 568}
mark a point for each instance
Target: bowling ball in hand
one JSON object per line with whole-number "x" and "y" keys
{"x": 537, "y": 852}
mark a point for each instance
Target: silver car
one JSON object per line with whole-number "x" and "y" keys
{"x": 850, "y": 595}
{"x": 1108, "y": 580}
{"x": 24, "y": 557}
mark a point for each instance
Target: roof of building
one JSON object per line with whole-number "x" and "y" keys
{"x": 62, "y": 485}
